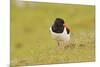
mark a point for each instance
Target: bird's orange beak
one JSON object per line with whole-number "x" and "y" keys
{"x": 64, "y": 25}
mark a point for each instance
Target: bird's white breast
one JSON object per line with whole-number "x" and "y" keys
{"x": 60, "y": 36}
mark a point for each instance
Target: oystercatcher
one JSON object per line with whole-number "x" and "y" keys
{"x": 60, "y": 32}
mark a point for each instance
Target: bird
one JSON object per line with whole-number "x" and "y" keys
{"x": 60, "y": 32}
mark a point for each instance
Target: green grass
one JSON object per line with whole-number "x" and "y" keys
{"x": 31, "y": 42}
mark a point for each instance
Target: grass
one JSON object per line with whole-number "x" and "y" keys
{"x": 31, "y": 42}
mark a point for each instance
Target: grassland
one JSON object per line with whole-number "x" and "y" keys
{"x": 31, "y": 42}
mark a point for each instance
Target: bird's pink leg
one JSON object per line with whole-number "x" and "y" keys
{"x": 58, "y": 43}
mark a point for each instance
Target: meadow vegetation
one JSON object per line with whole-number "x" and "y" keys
{"x": 31, "y": 42}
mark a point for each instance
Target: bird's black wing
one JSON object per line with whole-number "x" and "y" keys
{"x": 68, "y": 30}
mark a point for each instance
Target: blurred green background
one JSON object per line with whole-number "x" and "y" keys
{"x": 31, "y": 42}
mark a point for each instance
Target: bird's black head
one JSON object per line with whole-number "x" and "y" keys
{"x": 59, "y": 22}
{"x": 58, "y": 25}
